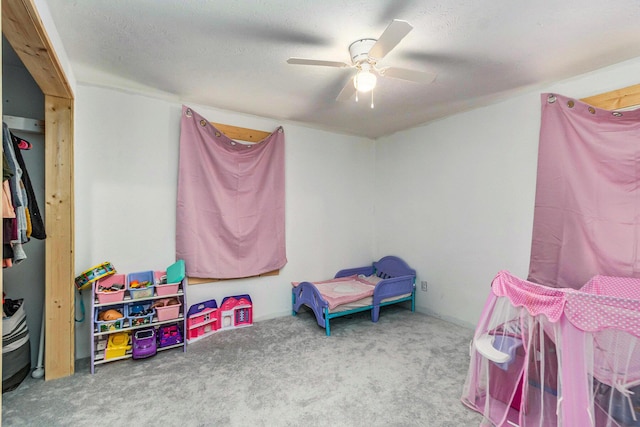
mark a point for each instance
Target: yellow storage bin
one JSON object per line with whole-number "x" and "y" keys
{"x": 117, "y": 345}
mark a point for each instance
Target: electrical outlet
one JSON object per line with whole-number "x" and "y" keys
{"x": 424, "y": 285}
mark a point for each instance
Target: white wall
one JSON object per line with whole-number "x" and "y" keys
{"x": 126, "y": 166}
{"x": 454, "y": 198}
{"x": 459, "y": 193}
{"x": 53, "y": 36}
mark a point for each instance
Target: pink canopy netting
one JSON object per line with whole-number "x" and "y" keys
{"x": 557, "y": 357}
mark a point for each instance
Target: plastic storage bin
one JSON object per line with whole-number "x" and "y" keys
{"x": 141, "y": 277}
{"x": 169, "y": 335}
{"x": 140, "y": 314}
{"x": 105, "y": 295}
{"x": 164, "y": 288}
{"x": 168, "y": 312}
{"x": 110, "y": 325}
{"x": 117, "y": 345}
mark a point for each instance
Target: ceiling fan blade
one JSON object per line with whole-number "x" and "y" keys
{"x": 302, "y": 61}
{"x": 390, "y": 38}
{"x": 410, "y": 75}
{"x": 347, "y": 91}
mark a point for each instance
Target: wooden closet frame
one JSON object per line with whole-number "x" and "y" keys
{"x": 23, "y": 28}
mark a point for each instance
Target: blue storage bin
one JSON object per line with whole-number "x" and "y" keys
{"x": 141, "y": 277}
{"x": 140, "y": 313}
{"x": 110, "y": 325}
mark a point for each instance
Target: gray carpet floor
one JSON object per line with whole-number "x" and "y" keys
{"x": 406, "y": 370}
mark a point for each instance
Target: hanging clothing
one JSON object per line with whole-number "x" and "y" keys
{"x": 22, "y": 220}
{"x": 18, "y": 196}
{"x": 587, "y": 207}
{"x": 6, "y": 170}
{"x": 230, "y": 219}
{"x": 7, "y": 205}
{"x": 34, "y": 220}
{"x": 8, "y": 214}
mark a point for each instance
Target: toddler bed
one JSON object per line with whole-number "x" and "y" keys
{"x": 387, "y": 281}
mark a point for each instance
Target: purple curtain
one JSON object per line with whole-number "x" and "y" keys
{"x": 230, "y": 219}
{"x": 587, "y": 207}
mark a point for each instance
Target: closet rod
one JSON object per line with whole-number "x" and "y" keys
{"x": 24, "y": 124}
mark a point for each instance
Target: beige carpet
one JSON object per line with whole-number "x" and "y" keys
{"x": 406, "y": 370}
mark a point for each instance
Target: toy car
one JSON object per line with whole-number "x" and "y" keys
{"x": 144, "y": 343}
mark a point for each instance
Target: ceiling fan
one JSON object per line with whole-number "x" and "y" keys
{"x": 365, "y": 54}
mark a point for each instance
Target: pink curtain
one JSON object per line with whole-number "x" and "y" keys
{"x": 230, "y": 219}
{"x": 587, "y": 207}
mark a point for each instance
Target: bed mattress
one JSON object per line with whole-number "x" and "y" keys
{"x": 365, "y": 302}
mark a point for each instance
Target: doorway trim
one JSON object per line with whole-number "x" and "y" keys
{"x": 23, "y": 28}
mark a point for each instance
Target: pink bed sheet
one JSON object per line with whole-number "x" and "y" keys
{"x": 343, "y": 290}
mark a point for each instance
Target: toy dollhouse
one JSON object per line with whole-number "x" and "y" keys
{"x": 205, "y": 318}
{"x": 202, "y": 320}
{"x": 236, "y": 312}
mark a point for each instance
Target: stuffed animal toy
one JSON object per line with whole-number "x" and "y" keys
{"x": 111, "y": 314}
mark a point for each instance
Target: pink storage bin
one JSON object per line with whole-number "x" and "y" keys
{"x": 168, "y": 312}
{"x": 165, "y": 288}
{"x": 111, "y": 296}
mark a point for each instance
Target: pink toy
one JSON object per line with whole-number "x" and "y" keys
{"x": 205, "y": 318}
{"x": 236, "y": 312}
{"x": 202, "y": 320}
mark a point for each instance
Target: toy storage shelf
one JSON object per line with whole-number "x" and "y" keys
{"x": 101, "y": 360}
{"x": 99, "y": 338}
{"x": 154, "y": 322}
{"x": 128, "y": 299}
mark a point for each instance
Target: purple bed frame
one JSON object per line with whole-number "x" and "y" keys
{"x": 398, "y": 279}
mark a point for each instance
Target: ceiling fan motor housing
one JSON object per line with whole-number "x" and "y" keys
{"x": 365, "y": 53}
{"x": 359, "y": 50}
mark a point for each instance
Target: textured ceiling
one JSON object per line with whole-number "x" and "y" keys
{"x": 232, "y": 54}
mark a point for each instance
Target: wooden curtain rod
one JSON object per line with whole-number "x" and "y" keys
{"x": 616, "y": 99}
{"x": 242, "y": 134}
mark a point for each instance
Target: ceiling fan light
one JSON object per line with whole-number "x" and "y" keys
{"x": 364, "y": 81}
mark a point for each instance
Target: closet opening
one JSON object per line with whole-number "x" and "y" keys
{"x": 24, "y": 271}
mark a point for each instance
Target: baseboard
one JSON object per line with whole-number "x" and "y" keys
{"x": 449, "y": 319}
{"x": 272, "y": 316}
{"x": 422, "y": 310}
